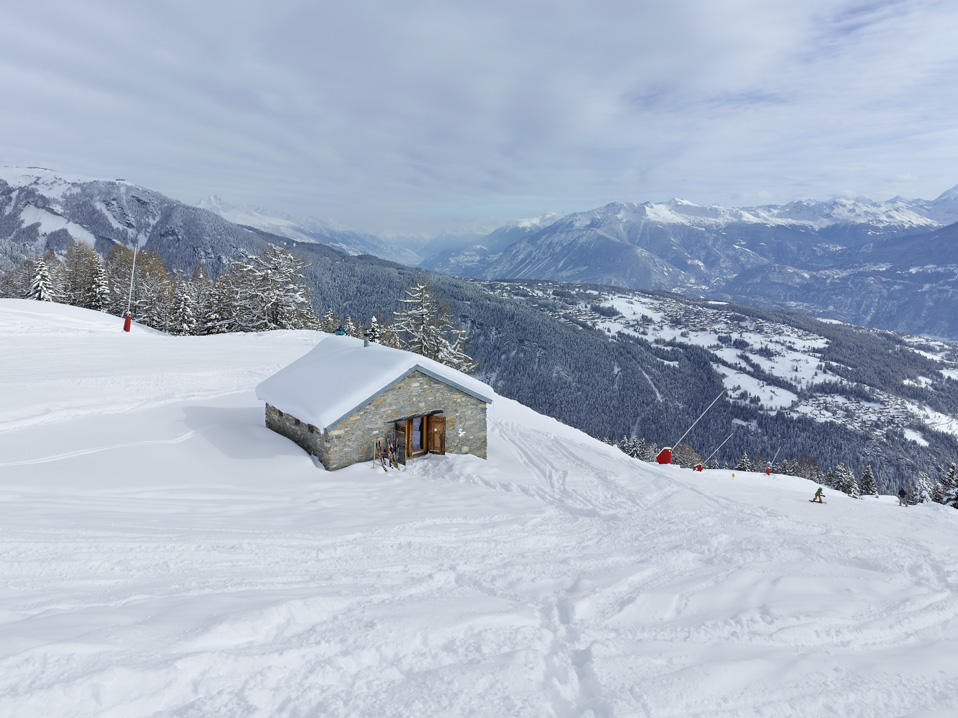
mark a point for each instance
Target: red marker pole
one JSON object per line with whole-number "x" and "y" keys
{"x": 129, "y": 300}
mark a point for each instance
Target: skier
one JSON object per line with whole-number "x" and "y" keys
{"x": 901, "y": 496}
{"x": 818, "y": 495}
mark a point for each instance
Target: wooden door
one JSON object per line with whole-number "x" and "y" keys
{"x": 436, "y": 435}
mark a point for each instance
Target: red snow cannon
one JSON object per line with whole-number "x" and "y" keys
{"x": 127, "y": 321}
{"x": 665, "y": 456}
{"x": 697, "y": 467}
{"x": 768, "y": 472}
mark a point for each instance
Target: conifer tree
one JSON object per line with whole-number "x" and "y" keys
{"x": 351, "y": 328}
{"x": 389, "y": 336}
{"x": 867, "y": 483}
{"x": 201, "y": 286}
{"x": 217, "y": 316}
{"x": 923, "y": 491}
{"x": 98, "y": 292}
{"x": 844, "y": 480}
{"x": 373, "y": 333}
{"x": 428, "y": 329}
{"x": 270, "y": 291}
{"x": 744, "y": 463}
{"x": 16, "y": 281}
{"x": 949, "y": 486}
{"x": 41, "y": 286}
{"x": 329, "y": 323}
{"x": 183, "y": 311}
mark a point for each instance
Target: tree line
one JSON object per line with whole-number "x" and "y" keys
{"x": 257, "y": 292}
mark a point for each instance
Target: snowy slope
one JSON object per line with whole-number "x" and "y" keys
{"x": 164, "y": 554}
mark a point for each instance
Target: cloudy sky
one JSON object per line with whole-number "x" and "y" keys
{"x": 427, "y": 115}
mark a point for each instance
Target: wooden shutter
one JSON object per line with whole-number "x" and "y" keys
{"x": 401, "y": 441}
{"x": 436, "y": 435}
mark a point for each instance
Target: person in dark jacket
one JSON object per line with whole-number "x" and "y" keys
{"x": 901, "y": 496}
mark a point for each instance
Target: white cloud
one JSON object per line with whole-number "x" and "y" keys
{"x": 424, "y": 114}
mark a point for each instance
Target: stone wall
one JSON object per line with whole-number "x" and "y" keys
{"x": 354, "y": 438}
{"x": 307, "y": 436}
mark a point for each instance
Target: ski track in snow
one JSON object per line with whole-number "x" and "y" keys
{"x": 97, "y": 449}
{"x": 218, "y": 572}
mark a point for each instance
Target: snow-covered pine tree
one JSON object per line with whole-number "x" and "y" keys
{"x": 389, "y": 336}
{"x": 352, "y": 328}
{"x": 201, "y": 286}
{"x": 923, "y": 491}
{"x": 949, "y": 485}
{"x": 830, "y": 478}
{"x": 183, "y": 311}
{"x": 218, "y": 314}
{"x": 329, "y": 323}
{"x": 41, "y": 285}
{"x": 417, "y": 321}
{"x": 452, "y": 349}
{"x": 649, "y": 451}
{"x": 744, "y": 463}
{"x": 15, "y": 282}
{"x": 867, "y": 483}
{"x": 98, "y": 292}
{"x": 270, "y": 291}
{"x": 428, "y": 329}
{"x": 374, "y": 334}
{"x": 842, "y": 479}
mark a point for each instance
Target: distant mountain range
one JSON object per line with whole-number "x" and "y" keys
{"x": 623, "y": 362}
{"x": 892, "y": 265}
{"x": 301, "y": 229}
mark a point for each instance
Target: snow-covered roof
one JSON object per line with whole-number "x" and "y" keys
{"x": 340, "y": 375}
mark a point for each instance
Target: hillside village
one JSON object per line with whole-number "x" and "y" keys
{"x": 765, "y": 362}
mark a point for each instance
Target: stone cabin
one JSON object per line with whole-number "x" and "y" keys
{"x": 342, "y": 397}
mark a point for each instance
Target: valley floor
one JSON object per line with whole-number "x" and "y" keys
{"x": 163, "y": 554}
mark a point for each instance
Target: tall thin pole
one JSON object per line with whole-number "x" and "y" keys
{"x": 719, "y": 447}
{"x": 772, "y": 463}
{"x": 129, "y": 299}
{"x": 697, "y": 420}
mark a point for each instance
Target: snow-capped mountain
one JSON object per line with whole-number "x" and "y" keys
{"x": 41, "y": 209}
{"x": 471, "y": 252}
{"x": 739, "y": 253}
{"x": 680, "y": 245}
{"x": 311, "y": 229}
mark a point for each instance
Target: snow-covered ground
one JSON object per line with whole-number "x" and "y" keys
{"x": 164, "y": 554}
